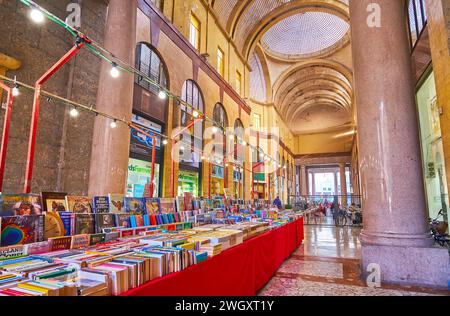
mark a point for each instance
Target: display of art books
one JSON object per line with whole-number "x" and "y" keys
{"x": 152, "y": 205}
{"x": 167, "y": 205}
{"x": 135, "y": 206}
{"x": 116, "y": 203}
{"x": 54, "y": 201}
{"x": 100, "y": 204}
{"x": 103, "y": 221}
{"x": 20, "y": 204}
{"x": 84, "y": 224}
{"x": 79, "y": 204}
{"x": 21, "y": 230}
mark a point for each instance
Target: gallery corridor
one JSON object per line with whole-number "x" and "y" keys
{"x": 328, "y": 263}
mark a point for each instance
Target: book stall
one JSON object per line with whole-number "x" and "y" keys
{"x": 54, "y": 244}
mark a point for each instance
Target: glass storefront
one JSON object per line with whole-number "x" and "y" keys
{"x": 188, "y": 183}
{"x": 238, "y": 184}
{"x": 139, "y": 164}
{"x": 138, "y": 180}
{"x": 432, "y": 148}
{"x": 217, "y": 180}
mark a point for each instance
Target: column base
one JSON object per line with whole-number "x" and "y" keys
{"x": 420, "y": 266}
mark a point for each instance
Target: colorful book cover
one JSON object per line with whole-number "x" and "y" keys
{"x": 103, "y": 221}
{"x": 122, "y": 220}
{"x": 12, "y": 252}
{"x": 67, "y": 219}
{"x": 100, "y": 204}
{"x": 116, "y": 204}
{"x": 20, "y": 204}
{"x": 167, "y": 205}
{"x": 54, "y": 201}
{"x": 79, "y": 204}
{"x": 79, "y": 241}
{"x": 60, "y": 243}
{"x": 180, "y": 204}
{"x": 97, "y": 238}
{"x": 135, "y": 206}
{"x": 139, "y": 220}
{"x": 84, "y": 224}
{"x": 152, "y": 205}
{"x": 188, "y": 201}
{"x": 21, "y": 230}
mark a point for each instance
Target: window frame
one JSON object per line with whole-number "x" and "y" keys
{"x": 195, "y": 24}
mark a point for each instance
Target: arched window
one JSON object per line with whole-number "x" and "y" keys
{"x": 239, "y": 149}
{"x": 150, "y": 63}
{"x": 220, "y": 120}
{"x": 192, "y": 95}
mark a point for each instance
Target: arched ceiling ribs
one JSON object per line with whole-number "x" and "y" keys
{"x": 265, "y": 72}
{"x": 296, "y": 107}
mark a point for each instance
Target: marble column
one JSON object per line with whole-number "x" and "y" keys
{"x": 303, "y": 181}
{"x": 110, "y": 147}
{"x": 395, "y": 234}
{"x": 336, "y": 190}
{"x": 313, "y": 183}
{"x": 343, "y": 180}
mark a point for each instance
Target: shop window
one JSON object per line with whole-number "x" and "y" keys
{"x": 149, "y": 63}
{"x": 194, "y": 32}
{"x": 192, "y": 95}
{"x": 417, "y": 19}
{"x": 221, "y": 62}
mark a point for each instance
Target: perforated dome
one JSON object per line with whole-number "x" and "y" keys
{"x": 305, "y": 34}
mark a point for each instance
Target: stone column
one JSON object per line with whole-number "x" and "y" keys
{"x": 336, "y": 191}
{"x": 110, "y": 147}
{"x": 343, "y": 179}
{"x": 303, "y": 181}
{"x": 313, "y": 183}
{"x": 395, "y": 235}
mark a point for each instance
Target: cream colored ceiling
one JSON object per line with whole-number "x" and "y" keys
{"x": 298, "y": 41}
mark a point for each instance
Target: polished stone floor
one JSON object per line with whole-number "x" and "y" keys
{"x": 328, "y": 264}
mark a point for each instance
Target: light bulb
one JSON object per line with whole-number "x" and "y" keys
{"x": 182, "y": 148}
{"x": 195, "y": 114}
{"x": 244, "y": 143}
{"x": 261, "y": 155}
{"x": 15, "y": 91}
{"x": 226, "y": 165}
{"x": 162, "y": 94}
{"x": 165, "y": 142}
{"x": 37, "y": 16}
{"x": 215, "y": 129}
{"x": 115, "y": 73}
{"x": 74, "y": 112}
{"x": 113, "y": 124}
{"x": 231, "y": 137}
{"x": 203, "y": 158}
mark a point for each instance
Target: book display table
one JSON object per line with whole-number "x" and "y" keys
{"x": 239, "y": 271}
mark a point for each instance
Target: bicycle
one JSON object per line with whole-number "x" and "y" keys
{"x": 438, "y": 231}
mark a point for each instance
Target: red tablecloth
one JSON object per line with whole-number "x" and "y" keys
{"x": 239, "y": 271}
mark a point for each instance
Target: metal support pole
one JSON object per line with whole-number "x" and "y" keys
{"x": 36, "y": 105}
{"x": 5, "y": 138}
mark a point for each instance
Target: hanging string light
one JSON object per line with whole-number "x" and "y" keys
{"x": 114, "y": 72}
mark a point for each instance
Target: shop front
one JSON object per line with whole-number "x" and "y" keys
{"x": 188, "y": 182}
{"x": 217, "y": 180}
{"x": 140, "y": 160}
{"x": 432, "y": 148}
{"x": 238, "y": 182}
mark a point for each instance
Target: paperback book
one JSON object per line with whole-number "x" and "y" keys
{"x": 84, "y": 224}
{"x": 135, "y": 206}
{"x": 167, "y": 205}
{"x": 79, "y": 204}
{"x": 116, "y": 204}
{"x": 100, "y": 204}
{"x": 21, "y": 230}
{"x": 20, "y": 204}
{"x": 103, "y": 221}
{"x": 152, "y": 205}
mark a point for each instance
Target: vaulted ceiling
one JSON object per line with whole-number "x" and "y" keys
{"x": 291, "y": 46}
